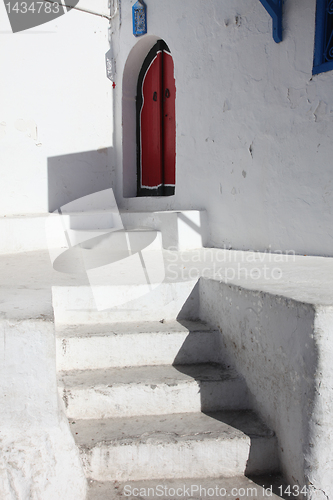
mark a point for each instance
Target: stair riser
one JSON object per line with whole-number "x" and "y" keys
{"x": 87, "y": 353}
{"x": 128, "y": 400}
{"x": 115, "y": 303}
{"x": 263, "y": 457}
{"x": 211, "y": 458}
{"x": 122, "y": 243}
{"x": 157, "y": 489}
{"x": 87, "y": 220}
{"x": 182, "y": 230}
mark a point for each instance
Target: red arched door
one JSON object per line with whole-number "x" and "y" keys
{"x": 156, "y": 124}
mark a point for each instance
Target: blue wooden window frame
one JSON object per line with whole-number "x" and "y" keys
{"x": 323, "y": 50}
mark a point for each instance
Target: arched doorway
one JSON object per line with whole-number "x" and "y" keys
{"x": 156, "y": 123}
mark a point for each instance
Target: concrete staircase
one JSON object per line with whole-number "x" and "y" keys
{"x": 145, "y": 394}
{"x": 149, "y": 401}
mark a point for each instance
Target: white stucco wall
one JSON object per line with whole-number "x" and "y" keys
{"x": 283, "y": 349}
{"x": 38, "y": 456}
{"x": 254, "y": 128}
{"x": 56, "y": 126}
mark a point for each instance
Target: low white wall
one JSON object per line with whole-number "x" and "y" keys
{"x": 283, "y": 348}
{"x": 39, "y": 459}
{"x": 27, "y": 233}
{"x": 22, "y": 234}
{"x": 319, "y": 461}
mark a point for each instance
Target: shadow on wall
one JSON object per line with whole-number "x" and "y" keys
{"x": 184, "y": 230}
{"x": 224, "y": 397}
{"x": 75, "y": 175}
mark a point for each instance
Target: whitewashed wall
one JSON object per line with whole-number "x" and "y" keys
{"x": 254, "y": 128}
{"x": 38, "y": 459}
{"x": 282, "y": 347}
{"x": 56, "y": 127}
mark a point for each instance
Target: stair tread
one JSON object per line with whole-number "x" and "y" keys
{"x": 92, "y": 230}
{"x": 219, "y": 425}
{"x": 189, "y": 487}
{"x": 145, "y": 375}
{"x": 89, "y": 212}
{"x": 121, "y": 230}
{"x": 166, "y": 327}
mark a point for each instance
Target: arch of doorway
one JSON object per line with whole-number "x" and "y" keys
{"x": 129, "y": 88}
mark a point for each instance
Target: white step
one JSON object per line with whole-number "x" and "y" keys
{"x": 178, "y": 446}
{"x": 121, "y": 241}
{"x": 82, "y": 347}
{"x": 33, "y": 232}
{"x": 181, "y": 229}
{"x": 89, "y": 220}
{"x": 81, "y": 220}
{"x": 204, "y": 488}
{"x": 91, "y": 250}
{"x": 151, "y": 390}
{"x": 107, "y": 303}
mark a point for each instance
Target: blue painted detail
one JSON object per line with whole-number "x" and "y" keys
{"x": 323, "y": 53}
{"x": 274, "y": 9}
{"x": 139, "y": 13}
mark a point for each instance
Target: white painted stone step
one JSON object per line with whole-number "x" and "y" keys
{"x": 180, "y": 445}
{"x": 125, "y": 242}
{"x": 181, "y": 229}
{"x": 89, "y": 219}
{"x": 140, "y": 300}
{"x": 189, "y": 488}
{"x": 89, "y": 250}
{"x": 151, "y": 390}
{"x": 81, "y": 347}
